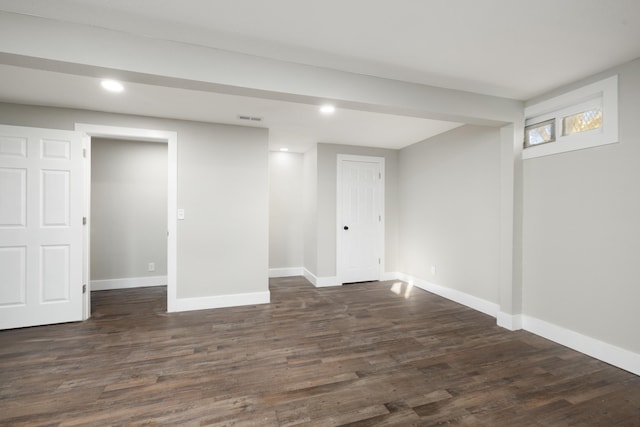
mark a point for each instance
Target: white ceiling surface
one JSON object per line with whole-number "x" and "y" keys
{"x": 291, "y": 125}
{"x": 512, "y": 48}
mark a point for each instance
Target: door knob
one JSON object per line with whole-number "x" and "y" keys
{"x": 346, "y": 227}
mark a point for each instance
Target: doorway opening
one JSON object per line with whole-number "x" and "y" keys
{"x": 128, "y": 226}
{"x": 139, "y": 271}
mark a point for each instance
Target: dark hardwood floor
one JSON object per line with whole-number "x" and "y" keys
{"x": 358, "y": 355}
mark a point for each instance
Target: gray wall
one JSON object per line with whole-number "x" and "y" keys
{"x": 326, "y": 204}
{"x": 310, "y": 202}
{"x": 582, "y": 230}
{"x": 450, "y": 208}
{"x": 286, "y": 210}
{"x": 222, "y": 185}
{"x": 128, "y": 208}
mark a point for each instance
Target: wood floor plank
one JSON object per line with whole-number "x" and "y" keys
{"x": 370, "y": 354}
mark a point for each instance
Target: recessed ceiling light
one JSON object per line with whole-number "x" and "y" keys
{"x": 112, "y": 85}
{"x": 327, "y": 109}
{"x": 284, "y": 149}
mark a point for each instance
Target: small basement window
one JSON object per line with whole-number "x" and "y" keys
{"x": 540, "y": 133}
{"x": 582, "y": 122}
{"x": 583, "y": 118}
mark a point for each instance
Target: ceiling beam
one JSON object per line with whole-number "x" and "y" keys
{"x": 52, "y": 45}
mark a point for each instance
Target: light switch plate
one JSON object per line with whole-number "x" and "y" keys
{"x": 180, "y": 213}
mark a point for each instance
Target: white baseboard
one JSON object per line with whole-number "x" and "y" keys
{"x": 309, "y": 276}
{"x": 509, "y": 321}
{"x": 324, "y": 282}
{"x": 616, "y": 356}
{"x": 286, "y": 272}
{"x": 482, "y": 305}
{"x": 126, "y": 283}
{"x": 220, "y": 301}
{"x": 320, "y": 282}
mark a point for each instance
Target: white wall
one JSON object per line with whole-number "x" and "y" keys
{"x": 286, "y": 210}
{"x": 582, "y": 230}
{"x": 449, "y": 202}
{"x": 222, "y": 185}
{"x": 128, "y": 208}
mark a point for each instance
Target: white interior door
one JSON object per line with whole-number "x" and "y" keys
{"x": 41, "y": 178}
{"x": 360, "y": 231}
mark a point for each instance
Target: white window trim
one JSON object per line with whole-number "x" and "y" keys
{"x": 603, "y": 92}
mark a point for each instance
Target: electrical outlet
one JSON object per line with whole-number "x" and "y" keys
{"x": 433, "y": 269}
{"x": 152, "y": 266}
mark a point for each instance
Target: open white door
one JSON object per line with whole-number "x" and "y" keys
{"x": 360, "y": 223}
{"x": 41, "y": 231}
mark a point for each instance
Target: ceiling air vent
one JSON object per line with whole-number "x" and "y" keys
{"x": 250, "y": 118}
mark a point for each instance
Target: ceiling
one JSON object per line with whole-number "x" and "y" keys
{"x": 293, "y": 126}
{"x": 510, "y": 48}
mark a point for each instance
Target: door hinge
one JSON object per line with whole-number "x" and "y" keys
{"x": 84, "y": 289}
{"x": 379, "y": 217}
{"x": 84, "y": 153}
{"x": 379, "y": 175}
{"x": 84, "y": 220}
{"x": 379, "y": 261}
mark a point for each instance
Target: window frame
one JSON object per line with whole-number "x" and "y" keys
{"x": 551, "y": 121}
{"x": 602, "y": 94}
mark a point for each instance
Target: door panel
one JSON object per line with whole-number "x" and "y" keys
{"x": 56, "y": 285}
{"x": 13, "y": 205}
{"x": 11, "y": 146}
{"x": 13, "y": 264}
{"x": 53, "y": 149}
{"x": 361, "y": 214}
{"x": 55, "y": 191}
{"x": 41, "y": 184}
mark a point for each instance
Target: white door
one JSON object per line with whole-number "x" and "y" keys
{"x": 41, "y": 177}
{"x": 360, "y": 230}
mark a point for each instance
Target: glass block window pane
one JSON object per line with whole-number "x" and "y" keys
{"x": 582, "y": 122}
{"x": 540, "y": 133}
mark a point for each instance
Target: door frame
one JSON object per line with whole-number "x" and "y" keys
{"x": 119, "y": 132}
{"x": 381, "y": 226}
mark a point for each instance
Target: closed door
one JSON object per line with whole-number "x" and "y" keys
{"x": 359, "y": 219}
{"x": 41, "y": 229}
